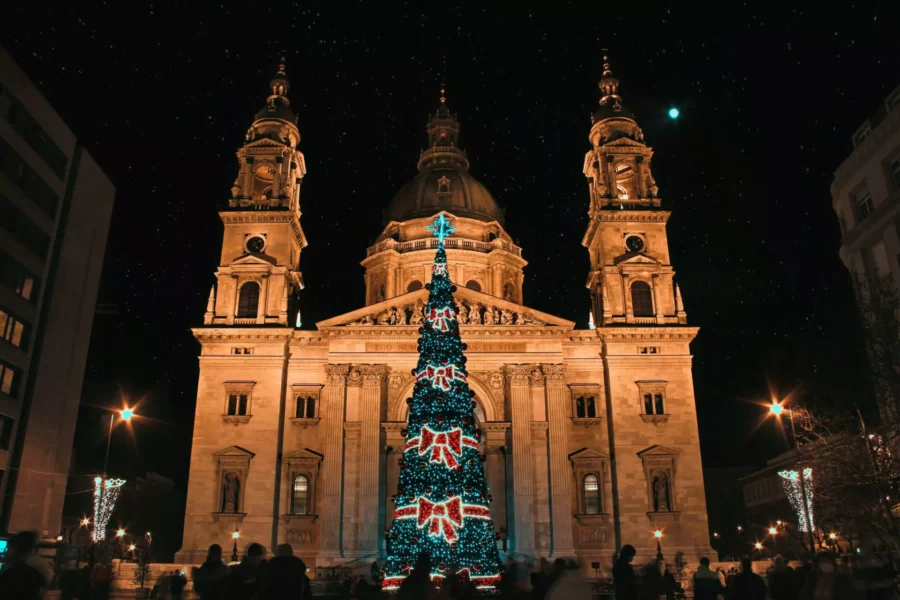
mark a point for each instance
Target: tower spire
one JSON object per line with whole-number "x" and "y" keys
{"x": 443, "y": 138}
{"x": 609, "y": 85}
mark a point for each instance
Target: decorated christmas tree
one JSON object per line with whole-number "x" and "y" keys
{"x": 441, "y": 506}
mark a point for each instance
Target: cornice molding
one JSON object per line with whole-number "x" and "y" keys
{"x": 267, "y": 335}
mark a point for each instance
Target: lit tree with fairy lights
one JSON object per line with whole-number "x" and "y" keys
{"x": 441, "y": 506}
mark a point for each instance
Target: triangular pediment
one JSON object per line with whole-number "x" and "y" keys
{"x": 658, "y": 450}
{"x": 587, "y": 453}
{"x": 254, "y": 260}
{"x": 624, "y": 141}
{"x": 636, "y": 258}
{"x": 388, "y": 312}
{"x": 304, "y": 453}
{"x": 234, "y": 451}
{"x": 265, "y": 142}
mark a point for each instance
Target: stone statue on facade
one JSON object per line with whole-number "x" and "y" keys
{"x": 661, "y": 493}
{"x": 384, "y": 318}
{"x": 506, "y": 317}
{"x": 491, "y": 316}
{"x": 231, "y": 490}
{"x": 415, "y": 317}
{"x": 475, "y": 314}
{"x": 395, "y": 318}
{"x": 462, "y": 316}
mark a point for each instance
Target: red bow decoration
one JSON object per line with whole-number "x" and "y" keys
{"x": 441, "y": 377}
{"x": 444, "y": 446}
{"x": 440, "y": 517}
{"x": 439, "y": 269}
{"x": 440, "y": 319}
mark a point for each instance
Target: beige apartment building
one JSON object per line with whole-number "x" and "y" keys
{"x": 590, "y": 435}
{"x": 55, "y": 207}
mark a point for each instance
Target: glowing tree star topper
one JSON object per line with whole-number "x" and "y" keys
{"x": 442, "y": 502}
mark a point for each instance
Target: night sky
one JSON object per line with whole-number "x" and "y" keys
{"x": 162, "y": 96}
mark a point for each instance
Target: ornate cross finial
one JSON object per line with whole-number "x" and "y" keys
{"x": 443, "y": 98}
{"x": 441, "y": 228}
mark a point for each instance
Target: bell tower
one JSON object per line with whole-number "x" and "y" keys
{"x": 631, "y": 279}
{"x": 258, "y": 271}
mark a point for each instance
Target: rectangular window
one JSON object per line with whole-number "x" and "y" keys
{"x": 12, "y": 329}
{"x": 9, "y": 379}
{"x": 232, "y": 404}
{"x": 12, "y": 165}
{"x": 6, "y": 429}
{"x": 894, "y": 173}
{"x": 17, "y": 278}
{"x": 34, "y": 135}
{"x": 242, "y": 405}
{"x": 864, "y": 206}
{"x": 22, "y": 229}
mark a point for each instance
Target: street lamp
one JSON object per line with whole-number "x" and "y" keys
{"x": 234, "y": 553}
{"x": 772, "y": 531}
{"x": 776, "y": 409}
{"x": 120, "y": 533}
{"x": 758, "y": 545}
{"x": 658, "y": 535}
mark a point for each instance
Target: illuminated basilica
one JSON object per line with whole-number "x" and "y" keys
{"x": 590, "y": 436}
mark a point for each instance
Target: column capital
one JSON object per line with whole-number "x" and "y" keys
{"x": 517, "y": 374}
{"x": 337, "y": 374}
{"x": 373, "y": 375}
{"x": 355, "y": 377}
{"x": 554, "y": 373}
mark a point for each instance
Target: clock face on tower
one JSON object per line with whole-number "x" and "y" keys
{"x": 634, "y": 243}
{"x": 256, "y": 244}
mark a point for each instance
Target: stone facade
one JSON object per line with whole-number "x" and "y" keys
{"x": 590, "y": 436}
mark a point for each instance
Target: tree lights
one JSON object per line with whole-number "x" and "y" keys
{"x": 794, "y": 489}
{"x": 106, "y": 492}
{"x": 441, "y": 506}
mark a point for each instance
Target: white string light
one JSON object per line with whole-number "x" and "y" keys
{"x": 793, "y": 488}
{"x": 105, "y": 496}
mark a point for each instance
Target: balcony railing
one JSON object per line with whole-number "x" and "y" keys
{"x": 432, "y": 244}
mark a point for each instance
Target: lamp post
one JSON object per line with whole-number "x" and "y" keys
{"x": 234, "y": 552}
{"x": 126, "y": 414}
{"x": 658, "y": 535}
{"x": 776, "y": 409}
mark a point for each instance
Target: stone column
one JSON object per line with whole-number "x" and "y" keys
{"x": 248, "y": 182}
{"x": 611, "y": 176}
{"x": 263, "y": 307}
{"x": 523, "y": 477}
{"x": 234, "y": 306}
{"x": 558, "y": 402}
{"x": 497, "y": 282}
{"x": 389, "y": 282}
{"x": 370, "y": 469}
{"x": 639, "y": 176}
{"x": 335, "y": 394}
{"x": 660, "y": 318}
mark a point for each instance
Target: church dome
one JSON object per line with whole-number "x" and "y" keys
{"x": 444, "y": 188}
{"x": 444, "y": 181}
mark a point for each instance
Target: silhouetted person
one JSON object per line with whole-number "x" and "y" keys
{"x": 177, "y": 581}
{"x": 706, "y": 583}
{"x": 624, "y": 579}
{"x": 286, "y": 576}
{"x": 247, "y": 580}
{"x": 211, "y": 579}
{"x": 417, "y": 586}
{"x": 824, "y": 582}
{"x": 747, "y": 584}
{"x": 24, "y": 575}
{"x": 781, "y": 581}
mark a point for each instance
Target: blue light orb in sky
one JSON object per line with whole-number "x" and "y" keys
{"x": 673, "y": 113}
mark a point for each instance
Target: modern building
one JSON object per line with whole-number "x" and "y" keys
{"x": 865, "y": 195}
{"x": 55, "y": 206}
{"x": 590, "y": 436}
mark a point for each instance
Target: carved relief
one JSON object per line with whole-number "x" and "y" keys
{"x": 300, "y": 537}
{"x": 592, "y": 537}
{"x": 469, "y": 313}
{"x": 355, "y": 378}
{"x": 496, "y": 380}
{"x": 518, "y": 374}
{"x": 554, "y": 373}
{"x": 337, "y": 374}
{"x": 372, "y": 375}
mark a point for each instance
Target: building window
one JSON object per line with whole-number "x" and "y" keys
{"x": 648, "y": 350}
{"x": 12, "y": 330}
{"x": 238, "y": 401}
{"x": 473, "y": 285}
{"x": 585, "y": 407}
{"x": 864, "y": 205}
{"x": 17, "y": 171}
{"x": 641, "y": 299}
{"x": 414, "y": 285}
{"x": 6, "y": 429}
{"x": 591, "y": 492}
{"x": 248, "y": 301}
{"x": 25, "y": 125}
{"x": 238, "y": 405}
{"x": 242, "y": 350}
{"x": 894, "y": 173}
{"x": 9, "y": 379}
{"x": 306, "y": 407}
{"x": 22, "y": 229}
{"x": 300, "y": 503}
{"x": 17, "y": 278}
{"x": 654, "y": 404}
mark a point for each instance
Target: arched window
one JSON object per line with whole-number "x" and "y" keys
{"x": 641, "y": 299}
{"x": 591, "y": 408}
{"x": 473, "y": 285}
{"x": 300, "y": 504}
{"x": 248, "y": 301}
{"x": 414, "y": 285}
{"x": 591, "y": 494}
{"x": 648, "y": 404}
{"x": 658, "y": 401}
{"x": 579, "y": 408}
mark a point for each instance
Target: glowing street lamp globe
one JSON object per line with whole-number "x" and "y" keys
{"x": 832, "y": 536}
{"x": 657, "y": 534}
{"x": 772, "y": 531}
{"x": 120, "y": 533}
{"x": 776, "y": 409}
{"x": 132, "y": 547}
{"x": 673, "y": 113}
{"x": 127, "y": 414}
{"x": 758, "y": 546}
{"x": 236, "y": 534}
